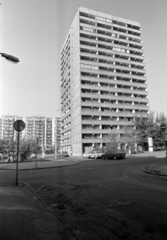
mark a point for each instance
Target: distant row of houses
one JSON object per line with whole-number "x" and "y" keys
{"x": 46, "y": 129}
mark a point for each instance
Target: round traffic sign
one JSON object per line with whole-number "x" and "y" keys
{"x": 19, "y": 125}
{"x": 163, "y": 127}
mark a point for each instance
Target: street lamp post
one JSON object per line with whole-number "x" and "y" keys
{"x": 18, "y": 125}
{"x": 10, "y": 57}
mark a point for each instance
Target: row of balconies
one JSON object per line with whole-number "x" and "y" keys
{"x": 112, "y": 74}
{"x": 65, "y": 94}
{"x": 103, "y": 80}
{"x": 65, "y": 64}
{"x": 65, "y": 72}
{"x": 111, "y": 61}
{"x": 66, "y": 118}
{"x": 64, "y": 80}
{"x": 65, "y": 50}
{"x": 110, "y": 45}
{"x": 65, "y": 104}
{"x": 66, "y": 140}
{"x": 66, "y": 134}
{"x": 115, "y": 38}
{"x": 118, "y": 100}
{"x": 115, "y": 33}
{"x": 108, "y": 22}
{"x": 65, "y": 83}
{"x": 64, "y": 60}
{"x": 111, "y": 56}
{"x": 117, "y": 89}
{"x": 110, "y": 52}
{"x": 66, "y": 44}
{"x": 110, "y": 26}
{"x": 115, "y": 105}
{"x": 114, "y": 91}
{"x": 101, "y": 66}
{"x": 110, "y": 97}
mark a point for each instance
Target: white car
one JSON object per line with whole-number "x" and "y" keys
{"x": 96, "y": 154}
{"x": 86, "y": 154}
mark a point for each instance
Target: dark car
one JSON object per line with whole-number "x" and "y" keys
{"x": 115, "y": 154}
{"x": 65, "y": 154}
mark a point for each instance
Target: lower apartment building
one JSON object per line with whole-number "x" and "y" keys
{"x": 103, "y": 79}
{"x": 37, "y": 127}
{"x": 42, "y": 129}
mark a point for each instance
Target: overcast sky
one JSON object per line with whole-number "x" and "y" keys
{"x": 34, "y": 31}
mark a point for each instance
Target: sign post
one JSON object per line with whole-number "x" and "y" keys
{"x": 36, "y": 153}
{"x": 18, "y": 126}
{"x": 163, "y": 128}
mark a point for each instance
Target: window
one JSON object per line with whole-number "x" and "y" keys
{"x": 100, "y": 18}
{"x": 118, "y": 49}
{"x": 88, "y": 29}
{"x": 89, "y": 66}
{"x": 108, "y": 20}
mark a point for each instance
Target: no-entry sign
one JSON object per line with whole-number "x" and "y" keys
{"x": 19, "y": 125}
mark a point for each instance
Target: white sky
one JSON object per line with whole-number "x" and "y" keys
{"x": 34, "y": 31}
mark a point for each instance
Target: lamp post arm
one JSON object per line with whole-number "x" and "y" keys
{"x": 10, "y": 57}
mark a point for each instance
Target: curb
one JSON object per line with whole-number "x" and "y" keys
{"x": 153, "y": 172}
{"x": 39, "y": 168}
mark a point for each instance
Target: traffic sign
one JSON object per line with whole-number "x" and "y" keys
{"x": 163, "y": 127}
{"x": 19, "y": 125}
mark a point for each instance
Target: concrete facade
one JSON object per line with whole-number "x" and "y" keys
{"x": 103, "y": 79}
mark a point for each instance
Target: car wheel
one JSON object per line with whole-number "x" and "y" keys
{"x": 103, "y": 158}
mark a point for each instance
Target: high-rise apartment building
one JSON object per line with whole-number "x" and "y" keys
{"x": 57, "y": 126}
{"x": 7, "y": 131}
{"x": 49, "y": 123}
{"x": 103, "y": 78}
{"x": 36, "y": 129}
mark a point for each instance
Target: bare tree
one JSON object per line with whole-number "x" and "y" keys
{"x": 111, "y": 141}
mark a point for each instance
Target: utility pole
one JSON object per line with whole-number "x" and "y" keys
{"x": 36, "y": 153}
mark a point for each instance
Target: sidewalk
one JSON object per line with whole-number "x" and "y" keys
{"x": 57, "y": 163}
{"x": 157, "y": 169}
{"x": 25, "y": 217}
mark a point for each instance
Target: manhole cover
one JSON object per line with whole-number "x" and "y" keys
{"x": 61, "y": 207}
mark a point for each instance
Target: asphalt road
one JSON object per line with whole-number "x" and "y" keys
{"x": 111, "y": 199}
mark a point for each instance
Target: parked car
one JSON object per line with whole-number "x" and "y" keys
{"x": 65, "y": 154}
{"x": 115, "y": 154}
{"x": 96, "y": 154}
{"x": 92, "y": 154}
{"x": 87, "y": 154}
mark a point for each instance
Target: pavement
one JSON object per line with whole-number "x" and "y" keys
{"x": 42, "y": 164}
{"x": 24, "y": 216}
{"x": 158, "y": 168}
